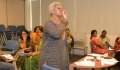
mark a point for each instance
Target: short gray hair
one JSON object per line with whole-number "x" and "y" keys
{"x": 52, "y": 6}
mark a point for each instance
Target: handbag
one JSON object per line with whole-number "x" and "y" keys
{"x": 27, "y": 51}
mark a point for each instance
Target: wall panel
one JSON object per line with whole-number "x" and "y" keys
{"x": 3, "y": 18}
{"x": 15, "y": 9}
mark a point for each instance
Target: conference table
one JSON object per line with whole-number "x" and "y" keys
{"x": 97, "y": 63}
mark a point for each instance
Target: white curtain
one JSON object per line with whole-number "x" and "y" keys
{"x": 86, "y": 15}
{"x": 99, "y": 15}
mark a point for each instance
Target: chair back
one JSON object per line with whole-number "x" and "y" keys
{"x": 20, "y": 28}
{"x": 15, "y": 48}
{"x": 2, "y": 27}
{"x": 45, "y": 67}
{"x": 8, "y": 35}
{"x": 12, "y": 28}
{"x": 9, "y": 44}
{"x": 79, "y": 43}
{"x": 15, "y": 38}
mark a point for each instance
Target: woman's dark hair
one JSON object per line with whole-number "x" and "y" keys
{"x": 67, "y": 29}
{"x": 104, "y": 31}
{"x": 92, "y": 32}
{"x": 40, "y": 28}
{"x": 35, "y": 28}
{"x": 28, "y": 37}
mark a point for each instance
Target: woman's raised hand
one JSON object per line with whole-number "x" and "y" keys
{"x": 64, "y": 13}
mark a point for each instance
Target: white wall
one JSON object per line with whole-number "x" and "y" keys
{"x": 84, "y": 16}
{"x": 12, "y": 12}
{"x": 35, "y": 13}
{"x": 99, "y": 15}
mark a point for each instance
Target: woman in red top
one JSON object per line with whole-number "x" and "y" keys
{"x": 96, "y": 45}
{"x": 117, "y": 44}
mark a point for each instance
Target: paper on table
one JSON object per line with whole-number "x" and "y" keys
{"x": 89, "y": 57}
{"x": 8, "y": 56}
{"x": 96, "y": 55}
{"x": 85, "y": 63}
{"x": 110, "y": 61}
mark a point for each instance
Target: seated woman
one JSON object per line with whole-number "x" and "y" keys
{"x": 70, "y": 45}
{"x": 35, "y": 36}
{"x": 117, "y": 44}
{"x": 31, "y": 63}
{"x": 117, "y": 52}
{"x": 24, "y": 43}
{"x": 103, "y": 38}
{"x": 97, "y": 46}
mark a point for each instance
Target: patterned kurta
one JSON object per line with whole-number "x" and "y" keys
{"x": 54, "y": 49}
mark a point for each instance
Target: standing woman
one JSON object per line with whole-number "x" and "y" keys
{"x": 54, "y": 51}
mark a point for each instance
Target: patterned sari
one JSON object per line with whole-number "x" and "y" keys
{"x": 31, "y": 63}
{"x": 21, "y": 59}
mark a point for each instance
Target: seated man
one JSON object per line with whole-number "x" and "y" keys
{"x": 4, "y": 65}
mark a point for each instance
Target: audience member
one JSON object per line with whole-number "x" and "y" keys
{"x": 35, "y": 36}
{"x": 24, "y": 43}
{"x": 103, "y": 38}
{"x": 31, "y": 63}
{"x": 97, "y": 46}
{"x": 117, "y": 44}
{"x": 69, "y": 35}
{"x": 117, "y": 52}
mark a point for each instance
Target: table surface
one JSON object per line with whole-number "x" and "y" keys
{"x": 97, "y": 65}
